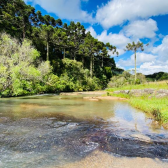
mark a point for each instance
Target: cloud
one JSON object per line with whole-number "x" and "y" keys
{"x": 157, "y": 61}
{"x": 162, "y": 50}
{"x": 153, "y": 67}
{"x": 141, "y": 58}
{"x": 141, "y": 29}
{"x": 115, "y": 12}
{"x": 65, "y": 9}
{"x": 118, "y": 40}
{"x": 92, "y": 32}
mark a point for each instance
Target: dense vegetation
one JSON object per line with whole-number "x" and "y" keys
{"x": 126, "y": 79}
{"x": 157, "y": 76}
{"x": 41, "y": 54}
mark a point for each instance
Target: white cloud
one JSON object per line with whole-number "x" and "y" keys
{"x": 118, "y": 40}
{"x": 141, "y": 58}
{"x": 153, "y": 67}
{"x": 162, "y": 50}
{"x": 141, "y": 29}
{"x": 65, "y": 9}
{"x": 92, "y": 32}
{"x": 115, "y": 12}
{"x": 157, "y": 61}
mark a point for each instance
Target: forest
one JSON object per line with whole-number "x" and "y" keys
{"x": 41, "y": 54}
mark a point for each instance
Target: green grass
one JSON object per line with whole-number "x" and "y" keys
{"x": 153, "y": 85}
{"x": 157, "y": 107}
{"x": 152, "y": 106}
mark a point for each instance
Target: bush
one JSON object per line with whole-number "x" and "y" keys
{"x": 125, "y": 79}
{"x": 75, "y": 78}
{"x": 18, "y": 73}
{"x": 22, "y": 73}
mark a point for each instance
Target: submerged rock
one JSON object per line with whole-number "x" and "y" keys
{"x": 141, "y": 137}
{"x": 91, "y": 98}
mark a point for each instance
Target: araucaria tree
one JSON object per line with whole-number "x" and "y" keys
{"x": 33, "y": 50}
{"x": 135, "y": 47}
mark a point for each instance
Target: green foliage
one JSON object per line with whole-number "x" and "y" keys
{"x": 157, "y": 107}
{"x": 137, "y": 82}
{"x": 19, "y": 75}
{"x": 75, "y": 78}
{"x": 108, "y": 72}
{"x": 157, "y": 76}
{"x": 125, "y": 79}
{"x": 157, "y": 114}
{"x": 22, "y": 68}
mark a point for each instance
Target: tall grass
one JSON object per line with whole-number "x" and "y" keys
{"x": 157, "y": 107}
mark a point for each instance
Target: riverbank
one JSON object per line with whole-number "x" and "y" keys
{"x": 153, "y": 101}
{"x": 152, "y": 98}
{"x": 93, "y": 95}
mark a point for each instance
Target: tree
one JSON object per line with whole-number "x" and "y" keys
{"x": 76, "y": 34}
{"x": 16, "y": 18}
{"x": 135, "y": 47}
{"x": 91, "y": 48}
{"x": 46, "y": 33}
{"x": 61, "y": 41}
{"x": 19, "y": 72}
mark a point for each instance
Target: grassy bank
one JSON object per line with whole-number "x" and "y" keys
{"x": 147, "y": 85}
{"x": 158, "y": 107}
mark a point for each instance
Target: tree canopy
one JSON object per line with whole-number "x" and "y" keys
{"x": 55, "y": 40}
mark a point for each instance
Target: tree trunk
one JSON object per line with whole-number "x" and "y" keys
{"x": 91, "y": 66}
{"x": 135, "y": 67}
{"x": 74, "y": 56}
{"x": 47, "y": 51}
{"x": 83, "y": 61}
{"x": 24, "y": 32}
{"x": 64, "y": 54}
{"x": 102, "y": 62}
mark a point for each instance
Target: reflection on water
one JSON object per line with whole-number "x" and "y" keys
{"x": 40, "y": 131}
{"x": 79, "y": 108}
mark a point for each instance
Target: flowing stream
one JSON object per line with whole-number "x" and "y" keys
{"x": 56, "y": 131}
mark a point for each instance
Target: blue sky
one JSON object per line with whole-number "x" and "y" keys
{"x": 120, "y": 22}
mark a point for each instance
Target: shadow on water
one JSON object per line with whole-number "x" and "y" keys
{"x": 41, "y": 138}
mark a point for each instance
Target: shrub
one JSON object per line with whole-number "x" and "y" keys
{"x": 18, "y": 73}
{"x": 125, "y": 79}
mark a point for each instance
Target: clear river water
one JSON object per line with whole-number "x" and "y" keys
{"x": 64, "y": 131}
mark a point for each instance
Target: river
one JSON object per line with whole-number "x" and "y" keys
{"x": 64, "y": 131}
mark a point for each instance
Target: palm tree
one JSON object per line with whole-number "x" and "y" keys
{"x": 134, "y": 47}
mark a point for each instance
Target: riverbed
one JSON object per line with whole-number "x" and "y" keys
{"x": 64, "y": 131}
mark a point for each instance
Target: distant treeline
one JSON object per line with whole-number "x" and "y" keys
{"x": 157, "y": 76}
